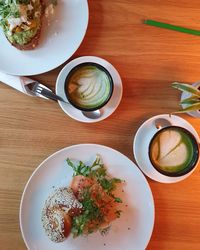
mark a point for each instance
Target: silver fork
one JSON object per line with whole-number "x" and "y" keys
{"x": 34, "y": 88}
{"x": 41, "y": 90}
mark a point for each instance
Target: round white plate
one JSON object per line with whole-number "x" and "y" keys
{"x": 57, "y": 43}
{"x": 141, "y": 146}
{"x": 132, "y": 231}
{"x": 109, "y": 108}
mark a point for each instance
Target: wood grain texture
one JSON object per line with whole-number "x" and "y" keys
{"x": 148, "y": 59}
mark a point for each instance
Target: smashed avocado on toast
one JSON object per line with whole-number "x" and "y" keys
{"x": 21, "y": 21}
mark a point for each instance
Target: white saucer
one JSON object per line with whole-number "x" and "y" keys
{"x": 109, "y": 108}
{"x": 141, "y": 144}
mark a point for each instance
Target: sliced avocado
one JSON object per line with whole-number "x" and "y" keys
{"x": 22, "y": 36}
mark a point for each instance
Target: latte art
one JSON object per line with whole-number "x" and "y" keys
{"x": 89, "y": 86}
{"x": 172, "y": 150}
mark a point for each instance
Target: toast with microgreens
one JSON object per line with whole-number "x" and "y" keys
{"x": 21, "y": 21}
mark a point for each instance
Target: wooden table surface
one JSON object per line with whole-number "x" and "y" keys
{"x": 148, "y": 59}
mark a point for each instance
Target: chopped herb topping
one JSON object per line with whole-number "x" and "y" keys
{"x": 97, "y": 198}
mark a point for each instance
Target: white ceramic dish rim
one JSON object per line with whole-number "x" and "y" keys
{"x": 29, "y": 62}
{"x": 73, "y": 146}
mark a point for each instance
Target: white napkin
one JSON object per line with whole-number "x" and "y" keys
{"x": 17, "y": 82}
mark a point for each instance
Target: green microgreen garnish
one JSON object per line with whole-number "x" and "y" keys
{"x": 82, "y": 169}
{"x": 91, "y": 213}
{"x": 9, "y": 8}
{"x": 92, "y": 216}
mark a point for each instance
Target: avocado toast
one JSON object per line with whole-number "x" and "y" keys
{"x": 21, "y": 21}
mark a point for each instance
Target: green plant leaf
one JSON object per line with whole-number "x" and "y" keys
{"x": 190, "y": 100}
{"x": 193, "y": 107}
{"x": 186, "y": 88}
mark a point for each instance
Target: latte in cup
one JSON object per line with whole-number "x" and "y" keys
{"x": 173, "y": 151}
{"x": 89, "y": 86}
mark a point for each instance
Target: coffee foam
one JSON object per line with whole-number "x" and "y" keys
{"x": 170, "y": 150}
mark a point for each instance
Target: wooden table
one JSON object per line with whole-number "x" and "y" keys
{"x": 148, "y": 59}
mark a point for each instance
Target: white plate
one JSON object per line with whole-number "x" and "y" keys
{"x": 109, "y": 108}
{"x": 131, "y": 231}
{"x": 58, "y": 41}
{"x": 141, "y": 146}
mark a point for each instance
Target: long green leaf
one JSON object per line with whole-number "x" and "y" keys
{"x": 190, "y": 100}
{"x": 193, "y": 107}
{"x": 186, "y": 88}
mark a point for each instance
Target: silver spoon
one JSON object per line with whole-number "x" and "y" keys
{"x": 92, "y": 114}
{"x": 41, "y": 90}
{"x": 162, "y": 123}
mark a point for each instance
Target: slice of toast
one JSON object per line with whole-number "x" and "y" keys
{"x": 23, "y": 27}
{"x": 30, "y": 45}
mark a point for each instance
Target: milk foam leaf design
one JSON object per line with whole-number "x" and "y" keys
{"x": 186, "y": 88}
{"x": 172, "y": 150}
{"x": 165, "y": 148}
{"x": 89, "y": 87}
